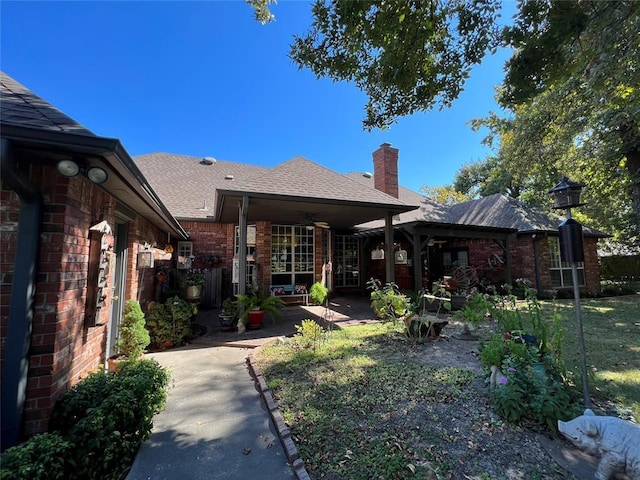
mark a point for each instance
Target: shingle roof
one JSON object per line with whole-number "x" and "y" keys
{"x": 429, "y": 211}
{"x": 493, "y": 211}
{"x": 300, "y": 177}
{"x": 21, "y": 107}
{"x": 187, "y": 185}
{"x": 503, "y": 212}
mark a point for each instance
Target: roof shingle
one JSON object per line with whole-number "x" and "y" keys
{"x": 21, "y": 107}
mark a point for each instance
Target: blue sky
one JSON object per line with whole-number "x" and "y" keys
{"x": 205, "y": 79}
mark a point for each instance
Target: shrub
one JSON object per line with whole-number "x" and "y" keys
{"x": 493, "y": 351}
{"x": 309, "y": 334}
{"x": 318, "y": 293}
{"x": 169, "y": 323}
{"x": 534, "y": 394}
{"x": 134, "y": 338}
{"x": 108, "y": 415}
{"x": 387, "y": 302}
{"x": 42, "y": 457}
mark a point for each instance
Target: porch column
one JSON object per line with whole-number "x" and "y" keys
{"x": 242, "y": 246}
{"x": 389, "y": 256}
{"x": 417, "y": 262}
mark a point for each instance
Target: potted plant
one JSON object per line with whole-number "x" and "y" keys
{"x": 255, "y": 304}
{"x": 193, "y": 286}
{"x": 475, "y": 309}
{"x": 228, "y": 314}
{"x": 318, "y": 293}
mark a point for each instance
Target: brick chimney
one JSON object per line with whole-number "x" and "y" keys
{"x": 385, "y": 169}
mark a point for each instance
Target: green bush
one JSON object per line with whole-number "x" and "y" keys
{"x": 42, "y": 457}
{"x": 387, "y": 302}
{"x": 133, "y": 337}
{"x": 169, "y": 323}
{"x": 108, "y": 415}
{"x": 493, "y": 351}
{"x": 536, "y": 395}
{"x": 318, "y": 293}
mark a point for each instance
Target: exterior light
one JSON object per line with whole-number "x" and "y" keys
{"x": 97, "y": 175}
{"x": 71, "y": 168}
{"x": 68, "y": 168}
{"x": 567, "y": 194}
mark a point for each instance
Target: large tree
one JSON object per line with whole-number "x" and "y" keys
{"x": 407, "y": 56}
{"x": 574, "y": 87}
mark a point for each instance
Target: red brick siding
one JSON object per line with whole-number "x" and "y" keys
{"x": 385, "y": 168}
{"x": 63, "y": 349}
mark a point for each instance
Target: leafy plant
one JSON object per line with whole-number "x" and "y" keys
{"x": 387, "y": 302}
{"x": 475, "y": 309}
{"x": 309, "y": 334}
{"x": 107, "y": 415}
{"x": 194, "y": 280}
{"x": 318, "y": 293}
{"x": 493, "y": 351}
{"x": 42, "y": 457}
{"x": 257, "y": 300}
{"x": 170, "y": 322}
{"x": 133, "y": 336}
{"x": 537, "y": 396}
{"x": 229, "y": 307}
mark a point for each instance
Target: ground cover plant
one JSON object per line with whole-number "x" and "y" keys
{"x": 367, "y": 403}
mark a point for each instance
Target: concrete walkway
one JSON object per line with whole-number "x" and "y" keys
{"x": 214, "y": 426}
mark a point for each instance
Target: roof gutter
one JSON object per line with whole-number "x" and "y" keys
{"x": 110, "y": 149}
{"x": 21, "y": 307}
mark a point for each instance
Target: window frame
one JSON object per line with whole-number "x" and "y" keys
{"x": 560, "y": 272}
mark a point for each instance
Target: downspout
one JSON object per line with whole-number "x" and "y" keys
{"x": 21, "y": 308}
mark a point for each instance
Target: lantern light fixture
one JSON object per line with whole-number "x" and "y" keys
{"x": 567, "y": 194}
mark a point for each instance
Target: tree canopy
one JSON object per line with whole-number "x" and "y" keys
{"x": 406, "y": 56}
{"x": 574, "y": 87}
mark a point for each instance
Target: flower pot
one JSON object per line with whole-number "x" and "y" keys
{"x": 193, "y": 292}
{"x": 256, "y": 317}
{"x": 226, "y": 322}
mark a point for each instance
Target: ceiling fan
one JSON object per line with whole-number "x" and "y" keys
{"x": 310, "y": 222}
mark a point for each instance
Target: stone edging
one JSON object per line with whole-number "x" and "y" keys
{"x": 290, "y": 449}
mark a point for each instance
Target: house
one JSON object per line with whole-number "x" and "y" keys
{"x": 85, "y": 227}
{"x": 308, "y": 223}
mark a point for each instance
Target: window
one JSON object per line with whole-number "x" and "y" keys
{"x": 561, "y": 271}
{"x": 185, "y": 252}
{"x": 451, "y": 259}
{"x": 346, "y": 271}
{"x": 292, "y": 255}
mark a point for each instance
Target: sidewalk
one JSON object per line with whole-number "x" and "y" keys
{"x": 215, "y": 425}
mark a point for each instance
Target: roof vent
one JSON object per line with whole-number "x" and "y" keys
{"x": 207, "y": 161}
{"x": 367, "y": 174}
{"x": 228, "y": 177}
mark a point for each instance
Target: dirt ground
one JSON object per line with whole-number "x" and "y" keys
{"x": 480, "y": 441}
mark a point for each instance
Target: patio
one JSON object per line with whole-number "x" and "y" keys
{"x": 342, "y": 311}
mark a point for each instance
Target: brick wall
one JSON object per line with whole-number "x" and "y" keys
{"x": 63, "y": 348}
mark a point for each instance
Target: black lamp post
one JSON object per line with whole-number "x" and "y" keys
{"x": 566, "y": 195}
